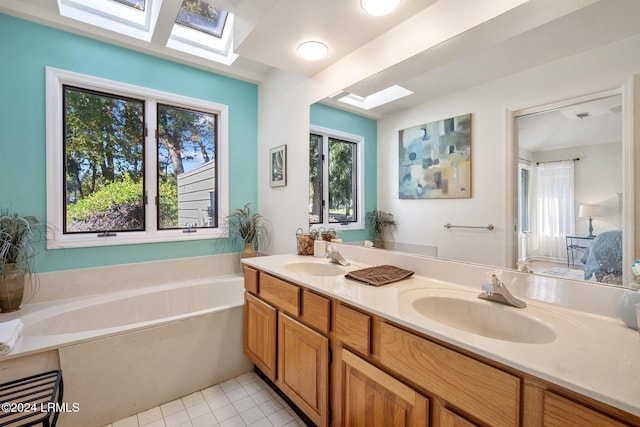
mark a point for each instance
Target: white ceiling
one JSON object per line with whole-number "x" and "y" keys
{"x": 422, "y": 45}
{"x": 563, "y": 128}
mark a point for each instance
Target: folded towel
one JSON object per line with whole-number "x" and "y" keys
{"x": 379, "y": 275}
{"x": 9, "y": 333}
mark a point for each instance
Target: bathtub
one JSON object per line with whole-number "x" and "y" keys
{"x": 124, "y": 352}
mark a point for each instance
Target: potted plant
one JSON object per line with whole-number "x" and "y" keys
{"x": 248, "y": 227}
{"x": 380, "y": 221}
{"x": 16, "y": 256}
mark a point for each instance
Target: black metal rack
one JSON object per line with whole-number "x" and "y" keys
{"x": 32, "y": 400}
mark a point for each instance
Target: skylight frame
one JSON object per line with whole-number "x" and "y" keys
{"x": 204, "y": 45}
{"x": 195, "y": 27}
{"x": 114, "y": 16}
{"x": 385, "y": 96}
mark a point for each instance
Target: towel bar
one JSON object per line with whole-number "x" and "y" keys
{"x": 488, "y": 227}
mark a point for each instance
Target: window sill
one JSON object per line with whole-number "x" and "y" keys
{"x": 57, "y": 241}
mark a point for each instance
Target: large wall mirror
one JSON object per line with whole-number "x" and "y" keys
{"x": 570, "y": 192}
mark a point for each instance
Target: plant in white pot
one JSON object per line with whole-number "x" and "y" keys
{"x": 17, "y": 234}
{"x": 248, "y": 227}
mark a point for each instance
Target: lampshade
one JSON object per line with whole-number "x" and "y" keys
{"x": 588, "y": 211}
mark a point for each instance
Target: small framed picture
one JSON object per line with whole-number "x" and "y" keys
{"x": 278, "y": 166}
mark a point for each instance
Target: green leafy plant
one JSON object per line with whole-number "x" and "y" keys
{"x": 17, "y": 234}
{"x": 246, "y": 225}
{"x": 380, "y": 221}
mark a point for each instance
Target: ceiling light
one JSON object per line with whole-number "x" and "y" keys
{"x": 379, "y": 7}
{"x": 312, "y": 50}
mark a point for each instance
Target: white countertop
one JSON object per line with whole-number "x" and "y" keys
{"x": 594, "y": 355}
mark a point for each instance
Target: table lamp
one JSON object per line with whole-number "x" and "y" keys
{"x": 589, "y": 211}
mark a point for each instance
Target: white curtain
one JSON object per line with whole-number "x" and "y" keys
{"x": 552, "y": 210}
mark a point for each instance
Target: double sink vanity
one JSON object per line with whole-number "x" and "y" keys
{"x": 427, "y": 351}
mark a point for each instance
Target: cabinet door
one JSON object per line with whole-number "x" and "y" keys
{"x": 303, "y": 368}
{"x": 260, "y": 328}
{"x": 559, "y": 411}
{"x": 450, "y": 419}
{"x": 370, "y": 397}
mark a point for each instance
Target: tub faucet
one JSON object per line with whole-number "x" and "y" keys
{"x": 334, "y": 256}
{"x": 496, "y": 291}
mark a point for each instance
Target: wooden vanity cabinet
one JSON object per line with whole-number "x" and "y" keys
{"x": 370, "y": 397}
{"x": 388, "y": 375}
{"x": 285, "y": 336}
{"x": 260, "y": 330}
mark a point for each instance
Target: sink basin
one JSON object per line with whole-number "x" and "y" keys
{"x": 314, "y": 269}
{"x": 485, "y": 318}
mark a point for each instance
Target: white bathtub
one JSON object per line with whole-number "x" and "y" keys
{"x": 128, "y": 351}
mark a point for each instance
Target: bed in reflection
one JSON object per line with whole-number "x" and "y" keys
{"x": 603, "y": 258}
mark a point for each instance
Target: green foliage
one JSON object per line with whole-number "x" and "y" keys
{"x": 341, "y": 160}
{"x": 17, "y": 234}
{"x": 106, "y": 199}
{"x": 380, "y": 220}
{"x": 201, "y": 8}
{"x": 246, "y": 225}
{"x": 169, "y": 204}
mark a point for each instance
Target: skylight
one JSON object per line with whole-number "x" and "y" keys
{"x": 200, "y": 29}
{"x": 377, "y": 99}
{"x": 202, "y": 16}
{"x": 136, "y": 4}
{"x": 205, "y": 31}
{"x": 134, "y": 18}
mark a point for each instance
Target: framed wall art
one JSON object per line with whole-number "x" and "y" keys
{"x": 435, "y": 160}
{"x": 278, "y": 166}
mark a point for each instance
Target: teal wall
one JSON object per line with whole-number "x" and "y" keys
{"x": 26, "y": 50}
{"x": 336, "y": 119}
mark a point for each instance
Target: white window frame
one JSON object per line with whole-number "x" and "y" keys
{"x": 359, "y": 141}
{"x": 56, "y": 239}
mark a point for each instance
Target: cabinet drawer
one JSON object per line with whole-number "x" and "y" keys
{"x": 250, "y": 279}
{"x": 559, "y": 411}
{"x": 315, "y": 311}
{"x": 353, "y": 328}
{"x": 482, "y": 391}
{"x": 283, "y": 295}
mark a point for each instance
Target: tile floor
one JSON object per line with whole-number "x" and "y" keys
{"x": 242, "y": 401}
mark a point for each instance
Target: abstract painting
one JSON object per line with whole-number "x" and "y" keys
{"x": 435, "y": 160}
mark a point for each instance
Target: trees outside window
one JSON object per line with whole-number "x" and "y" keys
{"x": 335, "y": 171}
{"x": 131, "y": 164}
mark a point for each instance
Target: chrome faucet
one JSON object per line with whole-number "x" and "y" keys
{"x": 334, "y": 256}
{"x": 496, "y": 291}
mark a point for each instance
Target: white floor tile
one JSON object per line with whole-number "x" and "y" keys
{"x": 243, "y": 401}
{"x": 212, "y": 392}
{"x": 262, "y": 423}
{"x": 261, "y": 396}
{"x": 252, "y": 415}
{"x": 218, "y": 401}
{"x": 236, "y": 394}
{"x": 244, "y": 404}
{"x": 131, "y": 421}
{"x": 232, "y": 384}
{"x": 193, "y": 399}
{"x": 207, "y": 420}
{"x": 177, "y": 419}
{"x": 270, "y": 406}
{"x": 225, "y": 412}
{"x": 280, "y": 418}
{"x": 233, "y": 422}
{"x": 150, "y": 415}
{"x": 172, "y": 407}
{"x": 198, "y": 410}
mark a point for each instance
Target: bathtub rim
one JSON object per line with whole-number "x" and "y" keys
{"x": 36, "y": 312}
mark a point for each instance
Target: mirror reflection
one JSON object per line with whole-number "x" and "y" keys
{"x": 570, "y": 191}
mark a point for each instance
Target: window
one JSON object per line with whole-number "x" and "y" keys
{"x": 202, "y": 16}
{"x": 335, "y": 179}
{"x": 127, "y": 164}
{"x": 523, "y": 200}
